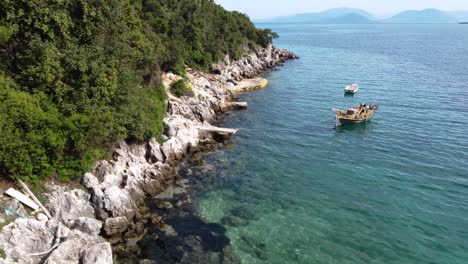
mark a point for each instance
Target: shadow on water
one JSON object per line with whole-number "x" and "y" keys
{"x": 188, "y": 239}
{"x": 212, "y": 236}
{"x": 177, "y": 234}
{"x": 350, "y": 95}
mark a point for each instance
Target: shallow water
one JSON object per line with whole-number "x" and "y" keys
{"x": 292, "y": 189}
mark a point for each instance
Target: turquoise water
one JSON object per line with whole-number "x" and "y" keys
{"x": 292, "y": 189}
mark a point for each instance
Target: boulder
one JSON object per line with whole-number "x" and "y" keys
{"x": 116, "y": 225}
{"x": 88, "y": 225}
{"x": 89, "y": 180}
{"x": 154, "y": 153}
{"x": 101, "y": 168}
{"x": 24, "y": 237}
{"x": 75, "y": 247}
{"x": 69, "y": 206}
{"x": 172, "y": 149}
{"x": 42, "y": 217}
{"x": 99, "y": 253}
{"x": 167, "y": 194}
{"x": 29, "y": 241}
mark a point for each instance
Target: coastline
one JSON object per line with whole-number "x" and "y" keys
{"x": 114, "y": 207}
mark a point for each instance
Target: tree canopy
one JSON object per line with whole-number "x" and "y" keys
{"x": 78, "y": 75}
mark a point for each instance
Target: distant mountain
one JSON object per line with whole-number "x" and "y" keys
{"x": 332, "y": 16}
{"x": 348, "y": 19}
{"x": 422, "y": 16}
{"x": 337, "y": 12}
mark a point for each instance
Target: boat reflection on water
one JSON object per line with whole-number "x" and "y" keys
{"x": 360, "y": 128}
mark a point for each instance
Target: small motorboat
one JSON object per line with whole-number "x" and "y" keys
{"x": 355, "y": 115}
{"x": 351, "y": 89}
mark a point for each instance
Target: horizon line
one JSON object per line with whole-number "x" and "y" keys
{"x": 376, "y": 15}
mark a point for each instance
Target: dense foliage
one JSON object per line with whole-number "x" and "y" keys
{"x": 78, "y": 75}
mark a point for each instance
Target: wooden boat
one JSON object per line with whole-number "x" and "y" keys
{"x": 351, "y": 89}
{"x": 355, "y": 115}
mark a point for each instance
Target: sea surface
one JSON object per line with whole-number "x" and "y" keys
{"x": 291, "y": 188}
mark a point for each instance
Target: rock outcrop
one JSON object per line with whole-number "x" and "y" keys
{"x": 69, "y": 206}
{"x": 113, "y": 205}
{"x": 32, "y": 241}
{"x": 256, "y": 62}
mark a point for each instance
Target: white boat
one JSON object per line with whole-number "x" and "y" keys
{"x": 351, "y": 89}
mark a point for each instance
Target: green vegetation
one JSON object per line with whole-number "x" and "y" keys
{"x": 76, "y": 76}
{"x": 180, "y": 88}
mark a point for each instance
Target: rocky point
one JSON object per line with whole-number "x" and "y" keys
{"x": 111, "y": 205}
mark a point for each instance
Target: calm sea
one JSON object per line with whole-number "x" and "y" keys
{"x": 292, "y": 189}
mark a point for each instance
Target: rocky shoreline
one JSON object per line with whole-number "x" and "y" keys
{"x": 112, "y": 207}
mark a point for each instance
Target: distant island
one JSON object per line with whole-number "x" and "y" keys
{"x": 359, "y": 16}
{"x": 331, "y": 16}
{"x": 427, "y": 16}
{"x": 463, "y": 23}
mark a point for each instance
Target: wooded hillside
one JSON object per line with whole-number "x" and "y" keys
{"x": 78, "y": 75}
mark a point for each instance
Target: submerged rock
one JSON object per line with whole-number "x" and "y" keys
{"x": 233, "y": 221}
{"x": 254, "y": 247}
{"x": 244, "y": 213}
{"x": 188, "y": 239}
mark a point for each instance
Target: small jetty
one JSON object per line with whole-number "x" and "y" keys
{"x": 236, "y": 105}
{"x": 355, "y": 115}
{"x": 351, "y": 89}
{"x": 249, "y": 85}
{"x": 217, "y": 133}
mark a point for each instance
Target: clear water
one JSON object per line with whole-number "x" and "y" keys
{"x": 296, "y": 190}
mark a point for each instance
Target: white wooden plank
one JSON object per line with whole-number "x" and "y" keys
{"x": 22, "y": 198}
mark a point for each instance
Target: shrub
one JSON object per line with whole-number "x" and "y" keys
{"x": 180, "y": 88}
{"x": 31, "y": 138}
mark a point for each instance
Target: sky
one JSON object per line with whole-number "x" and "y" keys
{"x": 258, "y": 9}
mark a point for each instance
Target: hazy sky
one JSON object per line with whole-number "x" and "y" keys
{"x": 257, "y": 9}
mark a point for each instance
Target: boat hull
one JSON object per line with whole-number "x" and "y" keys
{"x": 343, "y": 121}
{"x": 350, "y": 92}
{"x": 351, "y": 89}
{"x": 355, "y": 115}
